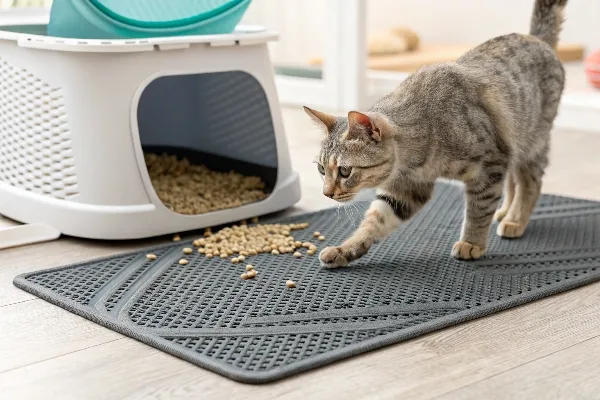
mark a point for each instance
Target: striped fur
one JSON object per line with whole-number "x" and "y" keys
{"x": 484, "y": 120}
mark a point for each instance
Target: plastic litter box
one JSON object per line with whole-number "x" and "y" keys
{"x": 120, "y": 19}
{"x": 77, "y": 115}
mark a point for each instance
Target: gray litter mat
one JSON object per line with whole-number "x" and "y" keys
{"x": 258, "y": 331}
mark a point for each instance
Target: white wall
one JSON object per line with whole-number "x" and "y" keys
{"x": 302, "y": 23}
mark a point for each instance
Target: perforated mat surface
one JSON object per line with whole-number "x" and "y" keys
{"x": 259, "y": 330}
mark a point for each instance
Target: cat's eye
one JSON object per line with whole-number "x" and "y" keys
{"x": 345, "y": 171}
{"x": 321, "y": 169}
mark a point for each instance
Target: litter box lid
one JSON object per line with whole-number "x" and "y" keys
{"x": 163, "y": 14}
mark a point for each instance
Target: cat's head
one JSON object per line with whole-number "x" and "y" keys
{"x": 355, "y": 153}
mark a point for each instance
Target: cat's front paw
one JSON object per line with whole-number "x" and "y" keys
{"x": 467, "y": 251}
{"x": 332, "y": 257}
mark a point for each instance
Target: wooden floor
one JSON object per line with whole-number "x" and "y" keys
{"x": 549, "y": 349}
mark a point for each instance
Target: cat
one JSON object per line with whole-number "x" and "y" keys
{"x": 484, "y": 119}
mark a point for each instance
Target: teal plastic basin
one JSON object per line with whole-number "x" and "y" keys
{"x": 125, "y": 19}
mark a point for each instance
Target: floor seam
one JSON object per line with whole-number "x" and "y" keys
{"x": 61, "y": 355}
{"x": 515, "y": 367}
{"x": 18, "y": 302}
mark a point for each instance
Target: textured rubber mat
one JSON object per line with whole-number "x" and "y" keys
{"x": 259, "y": 330}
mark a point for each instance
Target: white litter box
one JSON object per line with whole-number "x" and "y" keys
{"x": 76, "y": 117}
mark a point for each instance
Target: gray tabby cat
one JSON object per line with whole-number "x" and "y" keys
{"x": 484, "y": 120}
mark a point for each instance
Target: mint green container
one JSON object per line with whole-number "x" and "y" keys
{"x": 129, "y": 19}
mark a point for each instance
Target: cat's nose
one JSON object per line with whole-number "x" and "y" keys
{"x": 328, "y": 193}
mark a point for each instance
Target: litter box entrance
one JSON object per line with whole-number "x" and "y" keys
{"x": 208, "y": 141}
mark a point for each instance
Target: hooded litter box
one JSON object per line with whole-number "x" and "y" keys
{"x": 77, "y": 118}
{"x": 117, "y": 19}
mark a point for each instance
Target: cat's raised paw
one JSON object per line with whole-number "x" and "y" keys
{"x": 466, "y": 251}
{"x": 509, "y": 229}
{"x": 332, "y": 257}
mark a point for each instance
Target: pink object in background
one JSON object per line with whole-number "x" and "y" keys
{"x": 592, "y": 69}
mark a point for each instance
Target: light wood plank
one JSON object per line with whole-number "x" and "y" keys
{"x": 35, "y": 330}
{"x": 569, "y": 374}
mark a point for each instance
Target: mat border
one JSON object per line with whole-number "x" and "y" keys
{"x": 312, "y": 363}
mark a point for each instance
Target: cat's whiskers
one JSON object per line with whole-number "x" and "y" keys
{"x": 351, "y": 214}
{"x": 363, "y": 206}
{"x": 358, "y": 210}
{"x": 349, "y": 217}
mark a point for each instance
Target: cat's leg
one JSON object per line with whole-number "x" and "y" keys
{"x": 482, "y": 198}
{"x": 509, "y": 194}
{"x": 528, "y": 173}
{"x": 384, "y": 215}
{"x": 527, "y": 193}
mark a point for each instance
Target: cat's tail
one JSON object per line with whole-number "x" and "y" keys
{"x": 547, "y": 19}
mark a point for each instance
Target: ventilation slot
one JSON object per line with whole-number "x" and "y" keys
{"x": 35, "y": 142}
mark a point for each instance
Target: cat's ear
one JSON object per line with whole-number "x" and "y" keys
{"x": 325, "y": 120}
{"x": 361, "y": 126}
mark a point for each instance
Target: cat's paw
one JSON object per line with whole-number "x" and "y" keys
{"x": 467, "y": 251}
{"x": 332, "y": 257}
{"x": 509, "y": 229}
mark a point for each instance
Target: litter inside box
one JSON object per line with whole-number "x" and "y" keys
{"x": 186, "y": 188}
